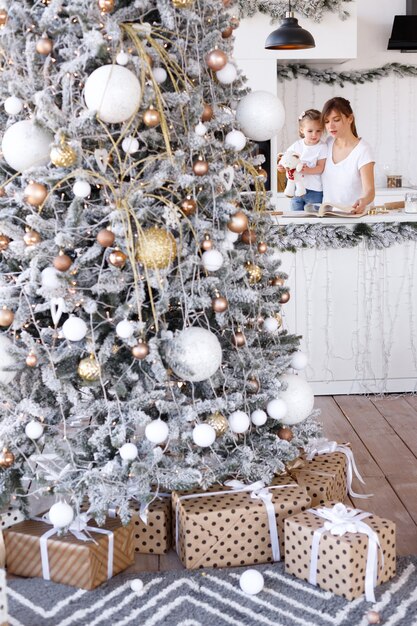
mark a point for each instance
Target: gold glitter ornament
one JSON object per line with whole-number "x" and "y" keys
{"x": 156, "y": 248}
{"x": 218, "y": 422}
{"x": 254, "y": 273}
{"x": 63, "y": 155}
{"x": 7, "y": 458}
{"x": 182, "y": 4}
{"x": 88, "y": 369}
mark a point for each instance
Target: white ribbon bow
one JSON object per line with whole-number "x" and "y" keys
{"x": 323, "y": 446}
{"x": 339, "y": 521}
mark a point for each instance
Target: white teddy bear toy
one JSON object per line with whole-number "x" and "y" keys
{"x": 293, "y": 166}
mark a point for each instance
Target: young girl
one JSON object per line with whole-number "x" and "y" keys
{"x": 313, "y": 154}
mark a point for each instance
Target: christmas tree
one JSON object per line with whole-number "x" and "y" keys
{"x": 142, "y": 344}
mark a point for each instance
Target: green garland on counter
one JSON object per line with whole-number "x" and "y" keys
{"x": 313, "y": 9}
{"x": 293, "y": 237}
{"x": 330, "y": 77}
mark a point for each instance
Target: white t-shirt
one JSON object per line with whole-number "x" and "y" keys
{"x": 310, "y": 155}
{"x": 342, "y": 181}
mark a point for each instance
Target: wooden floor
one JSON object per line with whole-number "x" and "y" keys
{"x": 383, "y": 435}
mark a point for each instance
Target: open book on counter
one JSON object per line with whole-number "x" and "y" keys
{"x": 329, "y": 210}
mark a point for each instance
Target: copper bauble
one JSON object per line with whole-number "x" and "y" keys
{"x": 207, "y": 243}
{"x": 239, "y": 339}
{"x": 88, "y": 369}
{"x": 188, "y": 206}
{"x": 278, "y": 281}
{"x": 156, "y": 248}
{"x": 106, "y": 237}
{"x": 44, "y": 45}
{"x": 219, "y": 304}
{"x": 219, "y": 423}
{"x": 254, "y": 273}
{"x": 62, "y": 262}
{"x": 141, "y": 350}
{"x": 200, "y": 167}
{"x": 227, "y": 3}
{"x": 6, "y": 316}
{"x": 373, "y": 617}
{"x": 4, "y": 242}
{"x": 216, "y": 59}
{"x": 6, "y": 458}
{"x": 31, "y": 360}
{"x": 262, "y": 247}
{"x": 284, "y": 297}
{"x": 3, "y": 17}
{"x": 208, "y": 113}
{"x": 238, "y": 223}
{"x": 35, "y": 193}
{"x": 63, "y": 155}
{"x": 31, "y": 237}
{"x": 2, "y": 192}
{"x": 253, "y": 385}
{"x": 227, "y": 32}
{"x": 151, "y": 118}
{"x": 261, "y": 175}
{"x": 248, "y": 236}
{"x": 117, "y": 258}
{"x": 182, "y": 4}
{"x": 106, "y": 6}
{"x": 285, "y": 433}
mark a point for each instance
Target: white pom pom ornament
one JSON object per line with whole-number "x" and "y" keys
{"x": 122, "y": 58}
{"x": 200, "y": 129}
{"x": 61, "y": 514}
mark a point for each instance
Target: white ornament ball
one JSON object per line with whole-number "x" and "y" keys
{"x": 212, "y": 260}
{"x": 81, "y": 189}
{"x": 114, "y": 92}
{"x": 227, "y": 74}
{"x": 122, "y": 58}
{"x": 157, "y": 431}
{"x": 61, "y": 514}
{"x": 251, "y": 582}
{"x": 298, "y": 397}
{"x": 195, "y": 354}
{"x": 231, "y": 236}
{"x": 136, "y": 585}
{"x": 204, "y": 435}
{"x": 261, "y": 115}
{"x": 200, "y": 129}
{"x": 128, "y": 451}
{"x": 130, "y": 144}
{"x": 50, "y": 278}
{"x": 74, "y": 328}
{"x": 13, "y": 105}
{"x": 26, "y": 145}
{"x": 259, "y": 417}
{"x": 299, "y": 360}
{"x": 125, "y": 329}
{"x": 239, "y": 422}
{"x": 34, "y": 430}
{"x": 270, "y": 325}
{"x": 6, "y": 360}
{"x": 277, "y": 409}
{"x": 235, "y": 140}
{"x": 160, "y": 75}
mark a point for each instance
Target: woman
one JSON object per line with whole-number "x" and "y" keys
{"x": 348, "y": 176}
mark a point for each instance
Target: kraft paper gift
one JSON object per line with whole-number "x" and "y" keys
{"x": 152, "y": 527}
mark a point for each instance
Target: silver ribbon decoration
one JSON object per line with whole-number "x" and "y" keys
{"x": 323, "y": 446}
{"x": 58, "y": 307}
{"x": 339, "y": 521}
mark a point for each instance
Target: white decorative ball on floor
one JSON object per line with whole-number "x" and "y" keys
{"x": 200, "y": 129}
{"x": 13, "y": 105}
{"x": 259, "y": 417}
{"x": 251, "y": 581}
{"x": 227, "y": 74}
{"x": 114, "y": 92}
{"x": 157, "y": 431}
{"x": 160, "y": 75}
{"x": 61, "y": 514}
{"x": 204, "y": 435}
{"x": 195, "y": 354}
{"x": 34, "y": 430}
{"x": 74, "y": 328}
{"x": 136, "y": 585}
{"x": 277, "y": 409}
{"x": 261, "y": 115}
{"x": 298, "y": 397}
{"x": 130, "y": 145}
{"x": 128, "y": 451}
{"x": 235, "y": 140}
{"x": 26, "y": 145}
{"x": 122, "y": 58}
{"x": 271, "y": 325}
{"x": 81, "y": 189}
{"x": 6, "y": 360}
{"x": 239, "y": 422}
{"x": 50, "y": 278}
{"x": 125, "y": 329}
{"x": 299, "y": 360}
{"x": 212, "y": 260}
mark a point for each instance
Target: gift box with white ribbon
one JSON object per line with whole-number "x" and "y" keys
{"x": 152, "y": 525}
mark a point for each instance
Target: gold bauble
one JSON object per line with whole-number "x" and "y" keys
{"x": 219, "y": 304}
{"x": 253, "y": 385}
{"x": 106, "y": 237}
{"x": 141, "y": 350}
{"x": 88, "y": 369}
{"x": 31, "y": 237}
{"x": 207, "y": 243}
{"x": 182, "y": 4}
{"x": 218, "y": 422}
{"x": 106, "y": 6}
{"x": 35, "y": 193}
{"x": 285, "y": 433}
{"x": 188, "y": 206}
{"x": 373, "y": 617}
{"x": 6, "y": 316}
{"x": 216, "y": 59}
{"x": 3, "y": 17}
{"x": 208, "y": 113}
{"x": 151, "y": 118}
{"x": 44, "y": 45}
{"x": 284, "y": 297}
{"x": 62, "y": 262}
{"x": 156, "y": 248}
{"x": 262, "y": 247}
{"x": 200, "y": 167}
{"x": 278, "y": 281}
{"x": 6, "y": 458}
{"x": 227, "y": 32}
{"x": 248, "y": 236}
{"x": 254, "y": 273}
{"x": 117, "y": 258}
{"x": 4, "y": 242}
{"x": 239, "y": 339}
{"x": 238, "y": 223}
{"x": 63, "y": 155}
{"x": 31, "y": 360}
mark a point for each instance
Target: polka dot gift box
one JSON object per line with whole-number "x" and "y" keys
{"x": 235, "y": 524}
{"x": 152, "y": 527}
{"x": 323, "y": 477}
{"x": 343, "y": 550}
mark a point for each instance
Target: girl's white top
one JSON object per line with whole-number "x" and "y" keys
{"x": 310, "y": 155}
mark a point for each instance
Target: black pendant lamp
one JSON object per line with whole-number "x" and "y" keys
{"x": 290, "y": 35}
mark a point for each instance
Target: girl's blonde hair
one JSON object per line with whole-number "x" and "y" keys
{"x": 312, "y": 115}
{"x": 341, "y": 106}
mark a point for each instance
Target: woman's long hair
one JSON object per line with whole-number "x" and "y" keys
{"x": 340, "y": 105}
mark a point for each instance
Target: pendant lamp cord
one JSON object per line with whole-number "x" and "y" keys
{"x": 289, "y": 6}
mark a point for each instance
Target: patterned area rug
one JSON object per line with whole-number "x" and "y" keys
{"x": 211, "y": 598}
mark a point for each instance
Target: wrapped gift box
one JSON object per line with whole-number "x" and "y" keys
{"x": 154, "y": 537}
{"x": 84, "y": 564}
{"x": 342, "y": 560}
{"x": 10, "y": 517}
{"x": 323, "y": 477}
{"x": 224, "y": 528}
{"x": 3, "y": 599}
